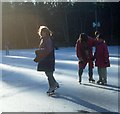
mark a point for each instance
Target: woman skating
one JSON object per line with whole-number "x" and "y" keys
{"x": 46, "y": 61}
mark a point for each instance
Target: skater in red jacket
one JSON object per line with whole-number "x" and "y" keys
{"x": 84, "y": 53}
{"x": 101, "y": 59}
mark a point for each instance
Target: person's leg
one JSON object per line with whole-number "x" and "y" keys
{"x": 82, "y": 66}
{"x": 100, "y": 75}
{"x": 51, "y": 80}
{"x": 80, "y": 72}
{"x": 90, "y": 73}
{"x": 104, "y": 75}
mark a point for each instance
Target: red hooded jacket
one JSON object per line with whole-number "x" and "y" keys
{"x": 102, "y": 55}
{"x": 79, "y": 52}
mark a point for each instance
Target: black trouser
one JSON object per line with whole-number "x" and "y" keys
{"x": 90, "y": 73}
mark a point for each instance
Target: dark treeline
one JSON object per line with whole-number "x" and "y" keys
{"x": 20, "y": 22}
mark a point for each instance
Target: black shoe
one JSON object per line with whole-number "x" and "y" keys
{"x": 80, "y": 82}
{"x": 51, "y": 91}
{"x": 104, "y": 83}
{"x": 91, "y": 80}
{"x": 99, "y": 82}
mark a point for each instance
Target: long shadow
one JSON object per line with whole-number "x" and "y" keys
{"x": 24, "y": 79}
{"x": 81, "y": 102}
{"x": 107, "y": 87}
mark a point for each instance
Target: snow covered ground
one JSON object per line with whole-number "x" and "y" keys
{"x": 23, "y": 89}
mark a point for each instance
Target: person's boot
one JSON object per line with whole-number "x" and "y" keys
{"x": 51, "y": 90}
{"x": 104, "y": 82}
{"x": 91, "y": 80}
{"x": 99, "y": 81}
{"x": 91, "y": 75}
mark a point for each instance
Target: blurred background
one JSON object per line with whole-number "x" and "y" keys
{"x": 21, "y": 20}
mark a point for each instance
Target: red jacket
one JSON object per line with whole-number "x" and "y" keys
{"x": 79, "y": 52}
{"x": 101, "y": 55}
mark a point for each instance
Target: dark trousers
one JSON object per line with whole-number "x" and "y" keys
{"x": 90, "y": 73}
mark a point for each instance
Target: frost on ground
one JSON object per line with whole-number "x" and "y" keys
{"x": 24, "y": 89}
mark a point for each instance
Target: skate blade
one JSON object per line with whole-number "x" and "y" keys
{"x": 50, "y": 94}
{"x": 92, "y": 82}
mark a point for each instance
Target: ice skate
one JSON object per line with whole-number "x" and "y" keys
{"x": 49, "y": 93}
{"x": 104, "y": 82}
{"x": 91, "y": 81}
{"x": 80, "y": 82}
{"x": 99, "y": 82}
